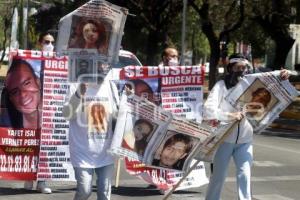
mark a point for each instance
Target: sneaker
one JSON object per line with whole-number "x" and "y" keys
{"x": 42, "y": 187}
{"x": 28, "y": 185}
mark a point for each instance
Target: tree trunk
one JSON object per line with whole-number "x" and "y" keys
{"x": 213, "y": 64}
{"x": 152, "y": 48}
{"x": 214, "y": 44}
{"x": 283, "y": 47}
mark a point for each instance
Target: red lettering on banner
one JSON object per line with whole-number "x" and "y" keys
{"x": 135, "y": 72}
{"x": 56, "y": 65}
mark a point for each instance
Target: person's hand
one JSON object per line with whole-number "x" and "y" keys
{"x": 284, "y": 74}
{"x": 236, "y": 115}
{"x": 81, "y": 90}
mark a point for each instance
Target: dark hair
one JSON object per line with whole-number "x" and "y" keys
{"x": 144, "y": 121}
{"x": 42, "y": 35}
{"x": 137, "y": 82}
{"x": 14, "y": 115}
{"x": 188, "y": 146}
{"x": 164, "y": 53}
{"x": 140, "y": 145}
{"x": 230, "y": 65}
{"x": 180, "y": 138}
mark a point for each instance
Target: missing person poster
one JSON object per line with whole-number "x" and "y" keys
{"x": 54, "y": 159}
{"x": 262, "y": 97}
{"x": 165, "y": 179}
{"x": 179, "y": 95}
{"x": 158, "y": 140}
{"x": 21, "y": 101}
{"x": 34, "y": 137}
{"x": 177, "y": 89}
{"x": 138, "y": 121}
{"x": 91, "y": 36}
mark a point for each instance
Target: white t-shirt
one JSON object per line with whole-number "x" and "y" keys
{"x": 216, "y": 107}
{"x": 90, "y": 132}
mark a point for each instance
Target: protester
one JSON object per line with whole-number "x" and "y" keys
{"x": 88, "y": 149}
{"x": 90, "y": 34}
{"x": 174, "y": 152}
{"x": 46, "y": 42}
{"x": 169, "y": 57}
{"x": 239, "y": 143}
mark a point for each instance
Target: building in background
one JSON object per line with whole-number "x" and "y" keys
{"x": 293, "y": 59}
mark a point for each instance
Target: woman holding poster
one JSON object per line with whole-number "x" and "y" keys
{"x": 239, "y": 143}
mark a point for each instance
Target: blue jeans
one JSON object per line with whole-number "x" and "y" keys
{"x": 243, "y": 157}
{"x": 84, "y": 178}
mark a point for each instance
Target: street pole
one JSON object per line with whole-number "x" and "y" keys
{"x": 183, "y": 30}
{"x": 25, "y": 24}
{"x": 14, "y": 30}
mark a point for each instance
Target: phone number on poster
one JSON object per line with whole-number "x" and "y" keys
{"x": 18, "y": 163}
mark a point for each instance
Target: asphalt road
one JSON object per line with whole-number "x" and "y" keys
{"x": 275, "y": 176}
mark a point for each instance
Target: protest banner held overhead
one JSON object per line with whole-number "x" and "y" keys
{"x": 91, "y": 37}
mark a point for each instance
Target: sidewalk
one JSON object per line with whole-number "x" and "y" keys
{"x": 289, "y": 119}
{"x": 285, "y": 123}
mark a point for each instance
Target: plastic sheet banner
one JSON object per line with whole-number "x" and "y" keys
{"x": 33, "y": 133}
{"x": 179, "y": 90}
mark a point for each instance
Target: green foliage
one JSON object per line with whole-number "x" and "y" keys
{"x": 157, "y": 23}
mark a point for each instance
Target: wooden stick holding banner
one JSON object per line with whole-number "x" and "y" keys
{"x": 196, "y": 163}
{"x": 118, "y": 172}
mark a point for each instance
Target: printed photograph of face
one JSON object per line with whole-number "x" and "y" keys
{"x": 173, "y": 152}
{"x": 142, "y": 130}
{"x": 102, "y": 68}
{"x": 83, "y": 70}
{"x": 90, "y": 33}
{"x": 22, "y": 95}
{"x": 258, "y": 101}
{"x": 144, "y": 89}
{"x": 98, "y": 122}
{"x": 137, "y": 134}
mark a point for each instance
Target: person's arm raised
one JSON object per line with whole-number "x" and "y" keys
{"x": 71, "y": 104}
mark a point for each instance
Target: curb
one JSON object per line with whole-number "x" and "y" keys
{"x": 285, "y": 126}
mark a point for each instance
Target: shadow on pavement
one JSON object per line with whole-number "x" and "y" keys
{"x": 281, "y": 133}
{"x": 142, "y": 191}
{"x": 16, "y": 191}
{"x": 22, "y": 191}
{"x": 134, "y": 191}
